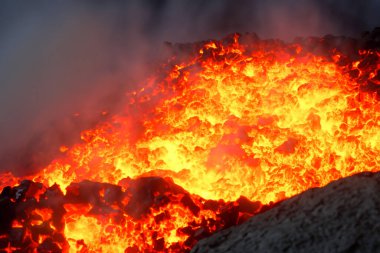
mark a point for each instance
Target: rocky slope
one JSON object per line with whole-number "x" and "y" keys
{"x": 344, "y": 216}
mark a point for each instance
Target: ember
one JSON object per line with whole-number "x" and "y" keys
{"x": 238, "y": 117}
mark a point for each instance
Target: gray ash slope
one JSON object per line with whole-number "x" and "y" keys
{"x": 344, "y": 216}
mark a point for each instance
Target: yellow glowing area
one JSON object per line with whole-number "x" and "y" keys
{"x": 265, "y": 121}
{"x": 266, "y": 125}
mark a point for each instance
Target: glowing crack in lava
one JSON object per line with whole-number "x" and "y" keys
{"x": 260, "y": 119}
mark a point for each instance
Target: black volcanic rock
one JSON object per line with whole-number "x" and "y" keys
{"x": 344, "y": 216}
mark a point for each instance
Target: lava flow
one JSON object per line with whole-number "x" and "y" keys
{"x": 220, "y": 134}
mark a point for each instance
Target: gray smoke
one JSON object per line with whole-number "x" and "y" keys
{"x": 58, "y": 58}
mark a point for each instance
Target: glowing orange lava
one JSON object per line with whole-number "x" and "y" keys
{"x": 265, "y": 120}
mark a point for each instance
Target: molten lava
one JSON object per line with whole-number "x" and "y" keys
{"x": 260, "y": 119}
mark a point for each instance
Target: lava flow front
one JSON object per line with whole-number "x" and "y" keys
{"x": 220, "y": 134}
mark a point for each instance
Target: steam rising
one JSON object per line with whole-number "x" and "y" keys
{"x": 58, "y": 58}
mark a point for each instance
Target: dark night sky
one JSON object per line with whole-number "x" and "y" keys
{"x": 59, "y": 57}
